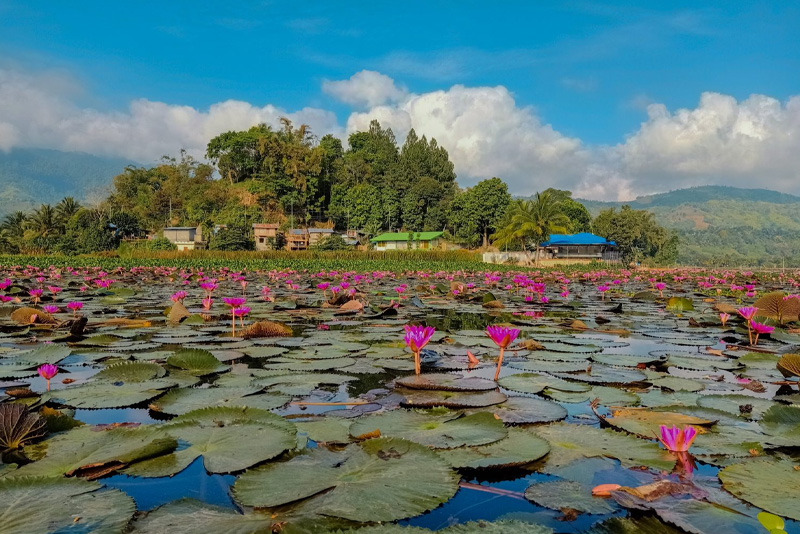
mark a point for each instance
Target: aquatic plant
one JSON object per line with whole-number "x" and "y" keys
{"x": 416, "y": 338}
{"x": 759, "y": 329}
{"x": 18, "y": 426}
{"x": 677, "y": 440}
{"x": 47, "y": 371}
{"x": 503, "y": 336}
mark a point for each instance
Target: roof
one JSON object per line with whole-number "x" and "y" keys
{"x": 180, "y": 228}
{"x": 266, "y": 225}
{"x": 403, "y": 236}
{"x": 320, "y": 230}
{"x": 583, "y": 238}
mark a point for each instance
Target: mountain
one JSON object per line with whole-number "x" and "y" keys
{"x": 32, "y": 176}
{"x": 721, "y": 225}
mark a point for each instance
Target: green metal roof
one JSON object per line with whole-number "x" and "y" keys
{"x": 403, "y": 236}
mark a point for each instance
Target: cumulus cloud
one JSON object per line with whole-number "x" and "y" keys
{"x": 35, "y": 110}
{"x": 366, "y": 88}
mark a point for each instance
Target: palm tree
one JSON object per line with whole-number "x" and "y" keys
{"x": 43, "y": 222}
{"x": 528, "y": 220}
{"x": 14, "y": 224}
{"x": 66, "y": 209}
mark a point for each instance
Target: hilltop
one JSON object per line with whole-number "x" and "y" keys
{"x": 33, "y": 176}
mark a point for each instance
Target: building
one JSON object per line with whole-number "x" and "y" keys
{"x": 582, "y": 246}
{"x": 418, "y": 240}
{"x": 185, "y": 237}
{"x": 297, "y": 239}
{"x": 315, "y": 235}
{"x": 265, "y": 235}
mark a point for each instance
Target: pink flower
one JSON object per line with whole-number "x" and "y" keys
{"x": 234, "y": 302}
{"x": 723, "y": 317}
{"x": 50, "y": 309}
{"x": 417, "y": 336}
{"x": 74, "y": 305}
{"x": 178, "y": 296}
{"x": 748, "y": 312}
{"x": 323, "y": 285}
{"x": 207, "y": 302}
{"x": 503, "y": 336}
{"x": 5, "y": 298}
{"x": 760, "y": 328}
{"x": 241, "y": 311}
{"x": 47, "y": 371}
{"x": 55, "y": 290}
{"x": 677, "y": 440}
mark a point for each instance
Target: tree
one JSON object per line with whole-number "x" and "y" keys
{"x": 234, "y": 237}
{"x": 637, "y": 235}
{"x": 65, "y": 209}
{"x": 479, "y": 209}
{"x": 532, "y": 220}
{"x": 43, "y": 222}
{"x": 332, "y": 242}
{"x": 580, "y": 220}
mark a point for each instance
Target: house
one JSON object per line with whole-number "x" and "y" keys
{"x": 583, "y": 246}
{"x": 185, "y": 237}
{"x": 412, "y": 240}
{"x": 265, "y": 234}
{"x": 315, "y": 235}
{"x": 297, "y": 239}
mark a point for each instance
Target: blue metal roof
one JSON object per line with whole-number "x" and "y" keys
{"x": 583, "y": 238}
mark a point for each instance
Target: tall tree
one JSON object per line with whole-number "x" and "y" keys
{"x": 43, "y": 222}
{"x": 637, "y": 235}
{"x": 65, "y": 209}
{"x": 532, "y": 220}
{"x": 484, "y": 206}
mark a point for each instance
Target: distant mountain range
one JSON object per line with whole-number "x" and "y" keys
{"x": 726, "y": 225}
{"x": 31, "y": 176}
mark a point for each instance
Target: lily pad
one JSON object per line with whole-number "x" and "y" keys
{"x": 188, "y": 516}
{"x": 181, "y": 401}
{"x": 521, "y": 447}
{"x": 450, "y": 399}
{"x": 438, "y": 430}
{"x": 101, "y": 394}
{"x": 131, "y": 372}
{"x": 559, "y": 494}
{"x": 382, "y": 479}
{"x": 446, "y": 382}
{"x": 198, "y": 362}
{"x": 57, "y": 504}
{"x": 525, "y": 410}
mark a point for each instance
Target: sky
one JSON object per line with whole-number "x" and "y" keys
{"x": 609, "y": 99}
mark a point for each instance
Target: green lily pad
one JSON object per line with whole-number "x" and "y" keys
{"x": 630, "y": 525}
{"x": 418, "y": 398}
{"x": 674, "y": 383}
{"x": 132, "y": 371}
{"x": 522, "y": 446}
{"x": 197, "y": 362}
{"x": 646, "y": 423}
{"x": 101, "y": 394}
{"x": 181, "y": 401}
{"x": 679, "y": 304}
{"x": 533, "y": 383}
{"x": 57, "y": 504}
{"x": 51, "y": 353}
{"x": 558, "y": 494}
{"x": 228, "y": 439}
{"x": 737, "y": 404}
{"x": 88, "y": 452}
{"x": 574, "y": 442}
{"x": 382, "y": 479}
{"x": 438, "y": 430}
{"x": 188, "y": 516}
{"x": 525, "y": 410}
{"x": 446, "y": 382}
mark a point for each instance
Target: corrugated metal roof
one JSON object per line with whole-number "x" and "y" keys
{"x": 403, "y": 236}
{"x": 583, "y": 238}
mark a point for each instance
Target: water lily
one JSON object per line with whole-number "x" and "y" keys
{"x": 503, "y": 336}
{"x": 760, "y": 328}
{"x": 75, "y": 307}
{"x": 661, "y": 286}
{"x": 47, "y": 371}
{"x": 416, "y": 338}
{"x": 723, "y": 317}
{"x": 50, "y": 309}
{"x": 207, "y": 302}
{"x": 748, "y": 312}
{"x": 677, "y": 440}
{"x": 178, "y": 296}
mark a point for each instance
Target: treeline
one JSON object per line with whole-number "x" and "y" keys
{"x": 291, "y": 177}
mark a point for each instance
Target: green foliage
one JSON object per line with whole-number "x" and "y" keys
{"x": 234, "y": 237}
{"x": 531, "y": 221}
{"x": 333, "y": 242}
{"x": 474, "y": 214}
{"x": 161, "y": 243}
{"x": 637, "y": 234}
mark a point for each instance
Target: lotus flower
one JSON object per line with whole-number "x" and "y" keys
{"x": 75, "y": 307}
{"x": 178, "y": 296}
{"x": 47, "y": 371}
{"x": 416, "y": 338}
{"x": 660, "y": 286}
{"x": 760, "y": 328}
{"x": 748, "y": 312}
{"x": 503, "y": 336}
{"x": 234, "y": 302}
{"x": 677, "y": 440}
{"x": 723, "y": 317}
{"x": 50, "y": 309}
{"x": 207, "y": 302}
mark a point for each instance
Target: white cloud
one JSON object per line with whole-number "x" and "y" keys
{"x": 366, "y": 88}
{"x": 36, "y": 110}
{"x": 487, "y": 135}
{"x": 750, "y": 143}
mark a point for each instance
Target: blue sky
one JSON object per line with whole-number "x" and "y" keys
{"x": 588, "y": 69}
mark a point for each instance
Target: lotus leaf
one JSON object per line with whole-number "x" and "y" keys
{"x": 561, "y": 494}
{"x": 101, "y": 394}
{"x": 446, "y": 382}
{"x": 197, "y": 362}
{"x": 380, "y": 479}
{"x": 131, "y": 372}
{"x": 418, "y": 398}
{"x": 57, "y": 504}
{"x": 521, "y": 447}
{"x": 181, "y": 401}
{"x": 438, "y": 430}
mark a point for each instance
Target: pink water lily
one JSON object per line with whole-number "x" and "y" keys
{"x": 47, "y": 371}
{"x": 677, "y": 440}
{"x": 760, "y": 328}
{"x": 723, "y": 317}
{"x": 50, "y": 309}
{"x": 416, "y": 338}
{"x": 503, "y": 336}
{"x": 748, "y": 312}
{"x": 75, "y": 307}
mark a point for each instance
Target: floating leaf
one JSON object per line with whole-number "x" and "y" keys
{"x": 197, "y": 362}
{"x": 679, "y": 304}
{"x": 646, "y": 423}
{"x": 524, "y": 410}
{"x": 441, "y": 431}
{"x": 450, "y": 399}
{"x": 57, "y": 504}
{"x": 521, "y": 447}
{"x": 380, "y": 479}
{"x": 188, "y": 516}
{"x": 181, "y": 401}
{"x": 774, "y": 306}
{"x": 131, "y": 372}
{"x": 446, "y": 382}
{"x": 789, "y": 364}
{"x": 100, "y": 394}
{"x": 560, "y": 494}
{"x": 19, "y": 426}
